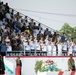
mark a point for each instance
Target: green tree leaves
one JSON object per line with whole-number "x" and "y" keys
{"x": 68, "y": 30}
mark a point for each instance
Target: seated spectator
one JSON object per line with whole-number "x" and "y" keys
{"x": 8, "y": 15}
{"x": 46, "y": 32}
{"x": 18, "y": 16}
{"x": 22, "y": 27}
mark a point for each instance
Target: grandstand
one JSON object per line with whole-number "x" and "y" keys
{"x": 23, "y": 36}
{"x": 11, "y": 14}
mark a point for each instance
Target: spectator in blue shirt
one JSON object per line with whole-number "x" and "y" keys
{"x": 63, "y": 37}
{"x": 3, "y": 48}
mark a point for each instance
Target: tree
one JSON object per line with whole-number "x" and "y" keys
{"x": 74, "y": 33}
{"x": 67, "y": 29}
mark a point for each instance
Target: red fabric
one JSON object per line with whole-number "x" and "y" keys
{"x": 18, "y": 70}
{"x": 73, "y": 73}
{"x": 60, "y": 73}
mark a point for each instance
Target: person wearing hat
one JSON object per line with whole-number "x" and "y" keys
{"x": 2, "y": 68}
{"x": 71, "y": 63}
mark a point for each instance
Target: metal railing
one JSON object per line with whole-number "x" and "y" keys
{"x": 40, "y": 53}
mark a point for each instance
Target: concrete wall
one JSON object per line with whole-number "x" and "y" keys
{"x": 28, "y": 63}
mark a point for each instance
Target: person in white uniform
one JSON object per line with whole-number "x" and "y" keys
{"x": 49, "y": 49}
{"x": 74, "y": 49}
{"x": 44, "y": 49}
{"x": 64, "y": 48}
{"x": 9, "y": 49}
{"x": 59, "y": 46}
{"x": 53, "y": 49}
{"x": 70, "y": 49}
{"x": 32, "y": 47}
{"x": 38, "y": 49}
{"x": 27, "y": 49}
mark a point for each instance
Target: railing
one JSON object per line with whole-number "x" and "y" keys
{"x": 40, "y": 53}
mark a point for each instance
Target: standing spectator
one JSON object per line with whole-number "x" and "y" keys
{"x": 74, "y": 49}
{"x": 32, "y": 47}
{"x": 46, "y": 40}
{"x": 70, "y": 48}
{"x": 2, "y": 68}
{"x": 9, "y": 47}
{"x": 3, "y": 48}
{"x": 38, "y": 49}
{"x": 71, "y": 63}
{"x": 27, "y": 49}
{"x": 59, "y": 46}
{"x": 63, "y": 37}
{"x": 58, "y": 38}
{"x": 18, "y": 66}
{"x": 44, "y": 49}
{"x": 64, "y": 48}
{"x": 49, "y": 49}
{"x": 53, "y": 48}
{"x": 14, "y": 44}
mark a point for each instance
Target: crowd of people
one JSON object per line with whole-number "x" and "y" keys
{"x": 23, "y": 36}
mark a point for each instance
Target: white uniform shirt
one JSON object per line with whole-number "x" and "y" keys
{"x": 37, "y": 46}
{"x": 49, "y": 48}
{"x": 9, "y": 48}
{"x": 32, "y": 46}
{"x": 74, "y": 48}
{"x": 65, "y": 47}
{"x": 59, "y": 47}
{"x": 44, "y": 47}
{"x": 27, "y": 47}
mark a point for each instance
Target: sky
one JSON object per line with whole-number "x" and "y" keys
{"x": 50, "y": 6}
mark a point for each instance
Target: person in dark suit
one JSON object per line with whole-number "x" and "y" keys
{"x": 2, "y": 67}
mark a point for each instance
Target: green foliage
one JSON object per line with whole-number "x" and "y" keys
{"x": 68, "y": 30}
{"x": 38, "y": 66}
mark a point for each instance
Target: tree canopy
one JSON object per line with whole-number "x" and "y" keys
{"x": 68, "y": 30}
